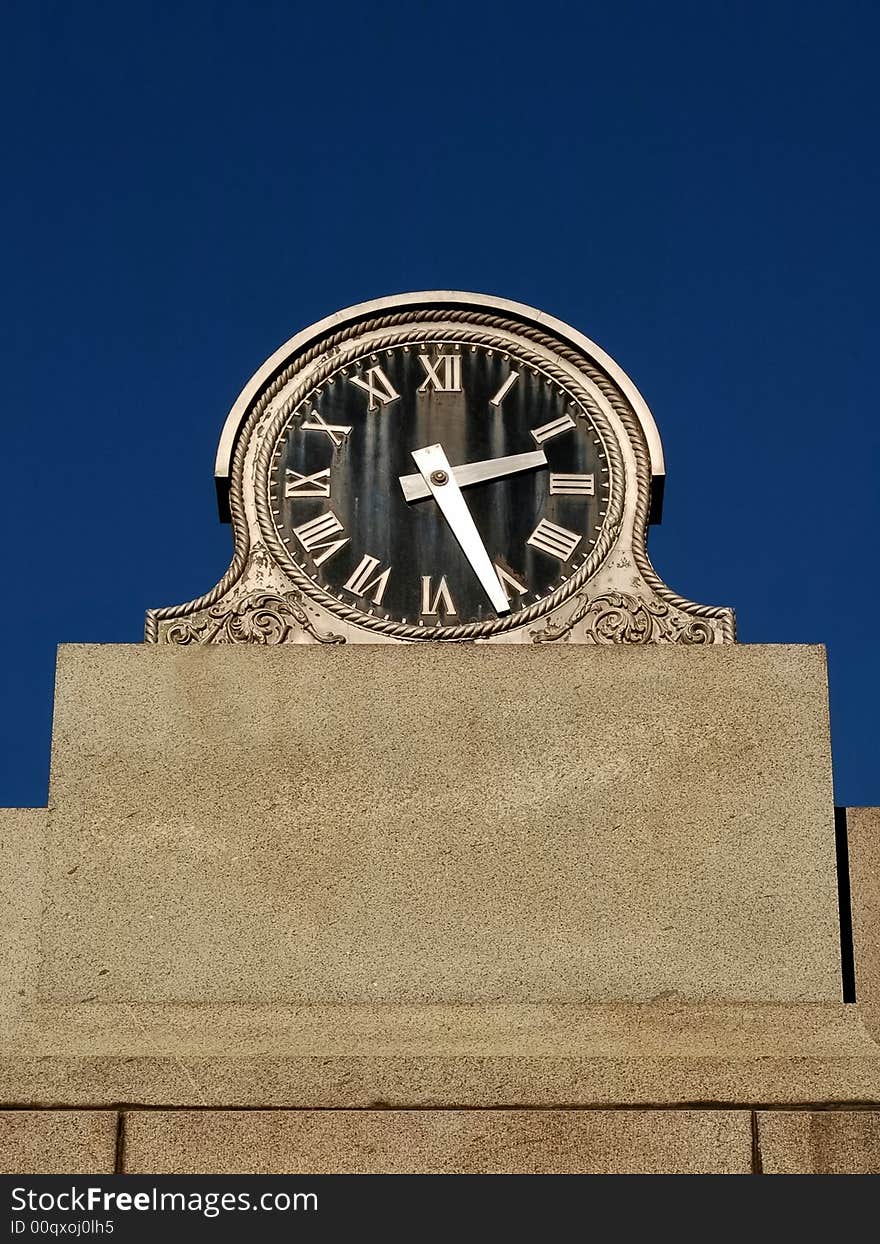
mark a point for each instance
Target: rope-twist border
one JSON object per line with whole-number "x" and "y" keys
{"x": 416, "y": 336}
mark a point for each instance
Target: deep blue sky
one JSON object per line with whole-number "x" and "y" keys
{"x": 694, "y": 186}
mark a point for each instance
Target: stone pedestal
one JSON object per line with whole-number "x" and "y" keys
{"x": 440, "y": 825}
{"x": 438, "y": 877}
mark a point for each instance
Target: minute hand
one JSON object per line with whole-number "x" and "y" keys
{"x": 437, "y": 474}
{"x": 415, "y": 488}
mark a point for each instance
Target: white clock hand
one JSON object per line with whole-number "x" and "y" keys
{"x": 435, "y": 470}
{"x": 415, "y": 488}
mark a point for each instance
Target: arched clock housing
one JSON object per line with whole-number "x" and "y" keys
{"x": 446, "y": 467}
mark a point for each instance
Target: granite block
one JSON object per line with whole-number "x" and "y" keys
{"x": 320, "y": 1057}
{"x": 22, "y": 851}
{"x": 438, "y": 1142}
{"x": 440, "y": 824}
{"x": 57, "y": 1142}
{"x": 863, "y": 832}
{"x": 819, "y": 1142}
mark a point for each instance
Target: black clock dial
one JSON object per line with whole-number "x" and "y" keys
{"x": 339, "y": 507}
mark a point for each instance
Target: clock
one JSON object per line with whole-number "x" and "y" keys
{"x": 439, "y": 484}
{"x": 443, "y": 467}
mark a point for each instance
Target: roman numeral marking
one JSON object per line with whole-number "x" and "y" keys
{"x": 317, "y": 533}
{"x": 546, "y": 430}
{"x": 317, "y": 485}
{"x": 361, "y": 584}
{"x": 336, "y": 431}
{"x": 449, "y": 381}
{"x": 442, "y": 601}
{"x": 507, "y": 580}
{"x": 572, "y": 485}
{"x": 558, "y": 542}
{"x": 505, "y": 388}
{"x": 379, "y": 387}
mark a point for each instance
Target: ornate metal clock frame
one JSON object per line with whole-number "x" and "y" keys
{"x": 612, "y": 595}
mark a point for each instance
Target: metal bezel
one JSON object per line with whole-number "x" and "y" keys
{"x": 475, "y": 334}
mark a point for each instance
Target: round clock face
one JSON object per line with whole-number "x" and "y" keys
{"x": 438, "y": 484}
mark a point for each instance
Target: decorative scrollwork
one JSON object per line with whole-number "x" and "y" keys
{"x": 618, "y": 618}
{"x": 260, "y": 561}
{"x": 261, "y": 618}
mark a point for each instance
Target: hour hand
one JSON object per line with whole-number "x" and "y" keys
{"x": 415, "y": 488}
{"x": 437, "y": 474}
